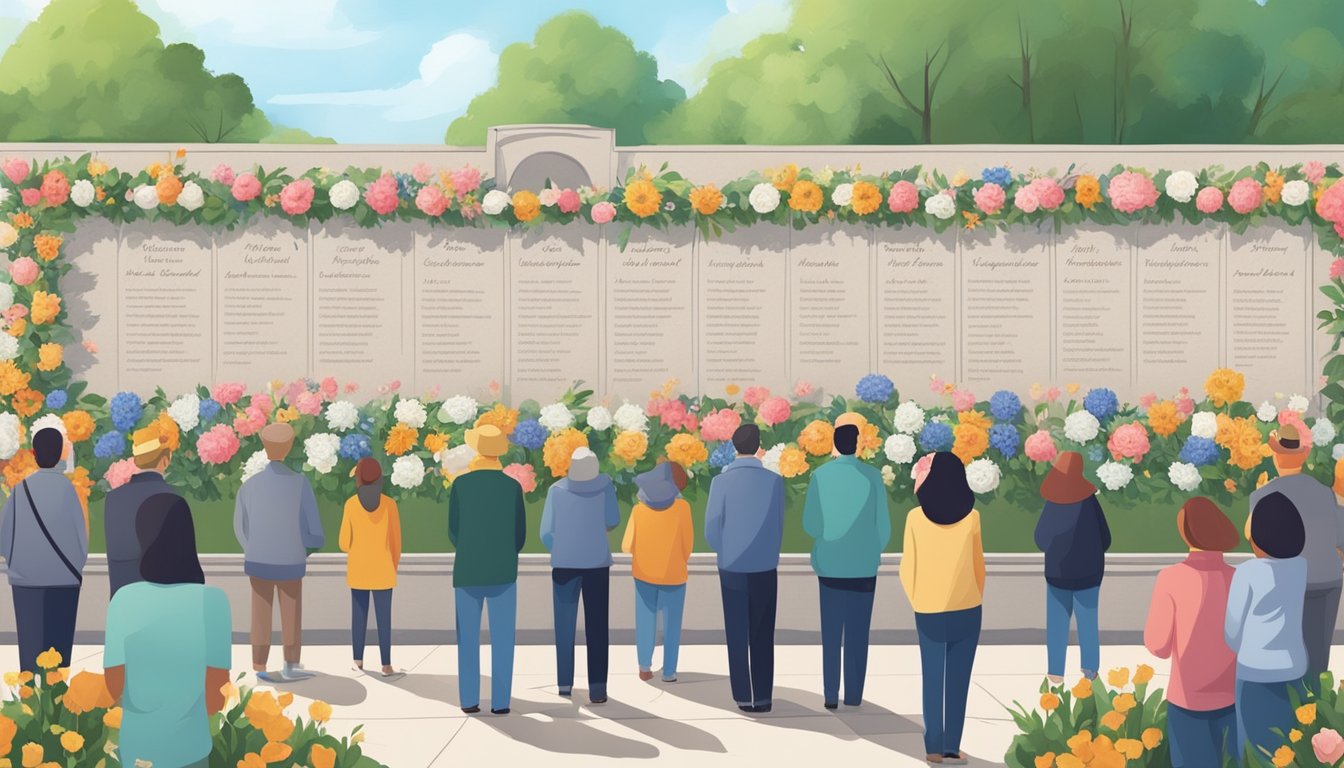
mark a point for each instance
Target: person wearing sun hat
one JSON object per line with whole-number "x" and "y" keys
{"x": 151, "y": 451}
{"x": 1324, "y": 520}
{"x": 1073, "y": 534}
{"x": 487, "y": 524}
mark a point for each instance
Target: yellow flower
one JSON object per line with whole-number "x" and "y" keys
{"x": 32, "y": 755}
{"x": 1049, "y": 701}
{"x": 72, "y": 742}
{"x": 1224, "y": 386}
{"x": 251, "y": 760}
{"x": 322, "y": 757}
{"x": 1118, "y": 678}
{"x": 157, "y": 169}
{"x": 21, "y": 220}
{"x": 78, "y": 425}
{"x": 784, "y": 178}
{"x": 97, "y": 168}
{"x": 88, "y": 691}
{"x": 1113, "y": 720}
{"x": 285, "y": 699}
{"x": 792, "y": 462}
{"x": 817, "y": 438}
{"x": 687, "y": 450}
{"x": 45, "y": 308}
{"x": 972, "y": 219}
{"x": 1164, "y": 417}
{"x": 319, "y": 711}
{"x": 401, "y": 439}
{"x": 1283, "y": 756}
{"x": 1142, "y": 674}
{"x": 275, "y": 751}
{"x": 277, "y": 728}
{"x": 975, "y": 419}
{"x": 1132, "y": 749}
{"x": 500, "y": 416}
{"x": 436, "y": 441}
{"x": 1080, "y": 745}
{"x": 642, "y": 198}
{"x": 1045, "y": 761}
{"x": 11, "y": 679}
{"x": 1241, "y": 437}
{"x": 1124, "y": 702}
{"x": 56, "y": 676}
{"x": 1261, "y": 480}
{"x": 1230, "y": 485}
{"x": 706, "y": 200}
{"x": 1152, "y": 737}
{"x": 970, "y": 442}
{"x": 49, "y": 357}
{"x": 630, "y": 446}
{"x": 49, "y": 659}
{"x": 866, "y": 198}
{"x": 805, "y": 197}
{"x": 960, "y": 178}
{"x": 112, "y": 718}
{"x": 261, "y": 708}
{"x": 1082, "y": 690}
{"x": 20, "y": 467}
{"x": 1273, "y": 189}
{"x": 732, "y": 390}
{"x": 1072, "y": 389}
{"x": 526, "y": 205}
{"x": 1306, "y": 714}
{"x": 11, "y": 378}
{"x": 559, "y": 449}
{"x": 1067, "y": 761}
{"x": 1294, "y": 735}
{"x": 47, "y": 246}
{"x": 1087, "y": 191}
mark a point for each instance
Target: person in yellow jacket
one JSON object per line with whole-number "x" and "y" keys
{"x": 943, "y": 572}
{"x": 659, "y": 538}
{"x": 371, "y": 534}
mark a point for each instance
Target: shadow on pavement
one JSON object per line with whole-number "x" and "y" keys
{"x": 335, "y": 690}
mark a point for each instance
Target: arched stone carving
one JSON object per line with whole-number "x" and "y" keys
{"x": 526, "y": 156}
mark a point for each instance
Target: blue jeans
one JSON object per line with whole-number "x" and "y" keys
{"x": 650, "y": 600}
{"x": 1198, "y": 739}
{"x": 846, "y": 616}
{"x": 502, "y": 602}
{"x": 1061, "y": 605}
{"x": 947, "y": 643}
{"x": 593, "y": 586}
{"x": 749, "y": 601}
{"x": 359, "y": 621}
{"x": 1262, "y": 707}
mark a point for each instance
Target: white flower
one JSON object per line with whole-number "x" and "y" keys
{"x": 556, "y": 417}
{"x": 764, "y": 198}
{"x": 411, "y": 412}
{"x": 1184, "y": 476}
{"x": 824, "y": 176}
{"x": 1081, "y": 426}
{"x": 6, "y": 294}
{"x": 458, "y": 409}
{"x": 494, "y": 202}
{"x": 1114, "y": 475}
{"x": 342, "y": 415}
{"x": 4, "y": 195}
{"x": 983, "y": 475}
{"x": 1295, "y": 192}
{"x": 344, "y": 194}
{"x": 940, "y": 206}
{"x": 254, "y": 464}
{"x": 408, "y": 472}
{"x": 146, "y": 196}
{"x": 320, "y": 452}
{"x": 9, "y": 347}
{"x": 1204, "y": 424}
{"x": 49, "y": 421}
{"x": 888, "y": 475}
{"x": 191, "y": 197}
{"x": 9, "y": 435}
{"x": 549, "y": 196}
{"x": 1323, "y": 432}
{"x": 909, "y": 417}
{"x": 1182, "y": 186}
{"x": 1336, "y": 453}
{"x": 599, "y": 418}
{"x": 843, "y": 194}
{"x": 186, "y": 411}
{"x": 82, "y": 193}
{"x": 630, "y": 417}
{"x": 771, "y": 458}
{"x": 1298, "y": 403}
{"x": 455, "y": 460}
{"x": 1267, "y": 412}
{"x": 900, "y": 449}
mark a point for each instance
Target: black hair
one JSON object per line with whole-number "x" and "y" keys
{"x": 168, "y": 540}
{"x": 1276, "y": 527}
{"x": 747, "y": 439}
{"x": 945, "y": 496}
{"x": 48, "y": 445}
{"x": 846, "y": 439}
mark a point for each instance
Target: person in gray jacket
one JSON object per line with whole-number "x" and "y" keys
{"x": 44, "y": 538}
{"x": 580, "y": 511}
{"x": 151, "y": 456}
{"x": 277, "y": 524}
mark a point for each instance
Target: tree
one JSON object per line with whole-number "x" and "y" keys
{"x": 573, "y": 71}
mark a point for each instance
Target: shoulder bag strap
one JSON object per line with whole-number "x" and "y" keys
{"x": 79, "y": 577}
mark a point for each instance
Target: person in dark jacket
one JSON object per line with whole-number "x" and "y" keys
{"x": 1074, "y": 536}
{"x": 151, "y": 450}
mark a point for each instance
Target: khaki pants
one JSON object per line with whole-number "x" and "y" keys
{"x": 291, "y": 618}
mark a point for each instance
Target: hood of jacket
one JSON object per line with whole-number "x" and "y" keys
{"x": 595, "y": 486}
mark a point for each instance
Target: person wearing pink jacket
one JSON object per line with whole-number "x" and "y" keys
{"x": 1185, "y": 624}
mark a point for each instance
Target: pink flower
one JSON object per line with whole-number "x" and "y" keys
{"x": 1186, "y": 405}
{"x": 23, "y": 270}
{"x": 989, "y": 198}
{"x": 431, "y": 201}
{"x": 309, "y": 403}
{"x": 90, "y": 347}
{"x": 432, "y": 393}
{"x": 250, "y": 421}
{"x": 921, "y": 469}
{"x": 296, "y": 387}
{"x": 672, "y": 413}
{"x": 691, "y": 423}
{"x": 656, "y": 405}
{"x": 903, "y": 198}
{"x": 421, "y": 172}
{"x": 754, "y": 396}
{"x": 1026, "y": 199}
{"x": 495, "y": 387}
{"x": 1146, "y": 401}
{"x": 1314, "y": 171}
{"x": 1048, "y": 192}
{"x": 16, "y": 169}
{"x": 218, "y": 445}
{"x": 1040, "y": 447}
{"x": 1331, "y": 205}
{"x": 1328, "y": 746}
{"x": 963, "y": 400}
{"x": 1129, "y": 441}
{"x": 568, "y": 201}
{"x": 1209, "y": 200}
{"x": 246, "y": 187}
{"x": 394, "y": 385}
{"x": 222, "y": 174}
{"x": 30, "y": 196}
{"x": 297, "y": 197}
{"x": 55, "y": 188}
{"x": 229, "y": 392}
{"x": 549, "y": 196}
{"x": 1339, "y": 228}
{"x": 351, "y": 386}
{"x": 525, "y": 474}
{"x": 936, "y": 384}
{"x": 1337, "y": 269}
{"x": 262, "y": 402}
{"x": 775, "y": 410}
{"x": 120, "y": 473}
{"x": 1246, "y": 196}
{"x": 720, "y": 425}
{"x": 466, "y": 179}
{"x": 381, "y": 195}
{"x": 329, "y": 388}
{"x": 15, "y": 313}
{"x": 1131, "y": 192}
{"x": 603, "y": 212}
{"x": 803, "y": 388}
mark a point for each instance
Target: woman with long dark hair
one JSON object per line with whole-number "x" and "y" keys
{"x": 943, "y": 572}
{"x": 168, "y": 643}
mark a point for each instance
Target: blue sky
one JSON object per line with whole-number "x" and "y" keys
{"x": 384, "y": 71}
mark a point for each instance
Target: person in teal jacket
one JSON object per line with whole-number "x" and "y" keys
{"x": 846, "y": 513}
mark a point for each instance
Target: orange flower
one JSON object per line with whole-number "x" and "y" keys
{"x": 642, "y": 198}
{"x": 1045, "y": 761}
{"x": 1132, "y": 749}
{"x": 168, "y": 187}
{"x": 526, "y": 205}
{"x": 17, "y": 328}
{"x": 78, "y": 425}
{"x": 630, "y": 446}
{"x": 686, "y": 450}
{"x": 1113, "y": 720}
{"x": 27, "y": 402}
{"x": 792, "y": 462}
{"x": 169, "y": 434}
{"x": 261, "y": 708}
{"x": 866, "y": 198}
{"x": 251, "y": 760}
{"x": 975, "y": 419}
{"x": 46, "y": 306}
{"x": 501, "y": 416}
{"x": 784, "y": 178}
{"x": 559, "y": 449}
{"x": 436, "y": 441}
{"x": 322, "y": 757}
{"x": 83, "y": 487}
{"x": 181, "y": 152}
{"x": 972, "y": 219}
{"x": 112, "y": 719}
{"x": 1142, "y": 674}
{"x": 1224, "y": 386}
{"x": 47, "y": 246}
{"x": 1049, "y": 702}
{"x": 72, "y": 742}
{"x": 1164, "y": 417}
{"x": 319, "y": 711}
{"x": 1273, "y": 188}
{"x": 817, "y": 438}
{"x": 1087, "y": 191}
{"x": 157, "y": 169}
{"x": 1230, "y": 485}
{"x": 732, "y": 390}
{"x": 49, "y": 357}
{"x": 1152, "y": 737}
{"x": 11, "y": 378}
{"x": 401, "y": 439}
{"x": 1124, "y": 702}
{"x": 21, "y": 220}
{"x": 969, "y": 442}
{"x": 706, "y": 200}
{"x": 88, "y": 691}
{"x": 805, "y": 197}
{"x": 277, "y": 729}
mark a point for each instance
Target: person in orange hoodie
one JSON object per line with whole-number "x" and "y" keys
{"x": 659, "y": 538}
{"x": 371, "y": 534}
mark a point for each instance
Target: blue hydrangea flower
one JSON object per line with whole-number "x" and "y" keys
{"x": 1005, "y": 405}
{"x": 126, "y": 410}
{"x": 109, "y": 445}
{"x": 355, "y": 446}
{"x": 1003, "y": 438}
{"x": 1199, "y": 451}
{"x": 998, "y": 175}
{"x": 935, "y": 436}
{"x": 366, "y": 424}
{"x": 403, "y": 185}
{"x": 874, "y": 388}
{"x": 57, "y": 398}
{"x": 209, "y": 410}
{"x": 529, "y": 434}
{"x": 723, "y": 455}
{"x": 1095, "y": 453}
{"x": 1102, "y": 403}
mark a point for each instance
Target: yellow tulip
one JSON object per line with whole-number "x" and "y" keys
{"x": 285, "y": 699}
{"x": 1124, "y": 702}
{"x": 1049, "y": 702}
{"x": 1294, "y": 735}
{"x": 1130, "y": 748}
{"x": 1152, "y": 737}
{"x": 1142, "y": 674}
{"x": 1283, "y": 757}
{"x": 1306, "y": 714}
{"x": 1042, "y": 761}
{"x": 72, "y": 742}
{"x": 1113, "y": 720}
{"x": 319, "y": 711}
{"x": 1081, "y": 746}
{"x": 32, "y": 755}
{"x": 1083, "y": 689}
{"x": 49, "y": 659}
{"x": 112, "y": 719}
{"x": 1069, "y": 761}
{"x": 275, "y": 751}
{"x": 1118, "y": 678}
{"x": 278, "y": 729}
{"x": 11, "y": 679}
{"x": 325, "y": 757}
{"x": 251, "y": 760}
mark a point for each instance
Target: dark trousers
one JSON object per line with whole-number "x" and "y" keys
{"x": 749, "y": 601}
{"x": 359, "y": 621}
{"x": 1264, "y": 714}
{"x": 44, "y": 617}
{"x": 846, "y": 615}
{"x": 1200, "y": 738}
{"x": 593, "y": 586}
{"x": 947, "y": 643}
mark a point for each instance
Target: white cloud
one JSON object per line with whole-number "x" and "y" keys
{"x": 289, "y": 24}
{"x": 742, "y": 22}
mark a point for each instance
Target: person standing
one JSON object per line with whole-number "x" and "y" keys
{"x": 371, "y": 535}
{"x": 580, "y": 511}
{"x": 277, "y": 524}
{"x": 487, "y": 523}
{"x": 848, "y": 516}
{"x": 659, "y": 539}
{"x": 151, "y": 453}
{"x": 744, "y": 524}
{"x": 168, "y": 644}
{"x": 943, "y": 572}
{"x": 1185, "y": 624}
{"x": 1073, "y": 534}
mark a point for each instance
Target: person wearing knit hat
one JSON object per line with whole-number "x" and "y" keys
{"x": 659, "y": 538}
{"x": 151, "y": 452}
{"x": 487, "y": 524}
{"x": 371, "y": 535}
